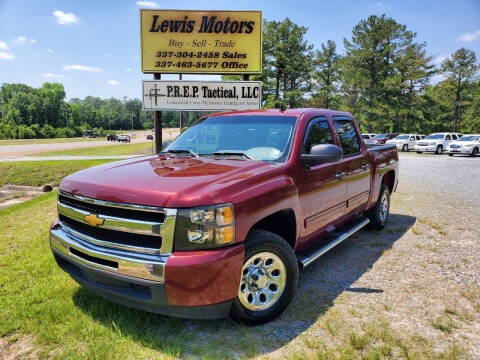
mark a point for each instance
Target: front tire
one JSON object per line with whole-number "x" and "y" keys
{"x": 268, "y": 281}
{"x": 405, "y": 148}
{"x": 439, "y": 150}
{"x": 378, "y": 214}
{"x": 474, "y": 152}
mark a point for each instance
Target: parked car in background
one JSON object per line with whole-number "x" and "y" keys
{"x": 123, "y": 138}
{"x": 112, "y": 137}
{"x": 436, "y": 143}
{"x": 90, "y": 134}
{"x": 380, "y": 139}
{"x": 406, "y": 142}
{"x": 368, "y": 136}
{"x": 467, "y": 144}
{"x": 149, "y": 137}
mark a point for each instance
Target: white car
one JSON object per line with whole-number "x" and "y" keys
{"x": 368, "y": 136}
{"x": 123, "y": 138}
{"x": 436, "y": 143}
{"x": 406, "y": 142}
{"x": 468, "y": 144}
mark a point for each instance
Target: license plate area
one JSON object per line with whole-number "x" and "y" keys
{"x": 94, "y": 259}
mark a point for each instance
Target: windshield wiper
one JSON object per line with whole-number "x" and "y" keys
{"x": 233, "y": 152}
{"x": 182, "y": 151}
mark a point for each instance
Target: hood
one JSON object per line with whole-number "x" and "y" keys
{"x": 166, "y": 180}
{"x": 464, "y": 143}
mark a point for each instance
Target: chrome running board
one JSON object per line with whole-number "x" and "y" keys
{"x": 308, "y": 258}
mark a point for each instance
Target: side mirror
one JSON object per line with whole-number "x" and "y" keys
{"x": 322, "y": 154}
{"x": 165, "y": 144}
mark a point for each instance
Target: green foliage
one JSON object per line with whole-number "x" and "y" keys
{"x": 327, "y": 70}
{"x": 26, "y": 112}
{"x": 460, "y": 69}
{"x": 287, "y": 64}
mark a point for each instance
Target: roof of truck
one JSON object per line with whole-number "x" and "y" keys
{"x": 286, "y": 112}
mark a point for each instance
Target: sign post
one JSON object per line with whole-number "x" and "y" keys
{"x": 157, "y": 123}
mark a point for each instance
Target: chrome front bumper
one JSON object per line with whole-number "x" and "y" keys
{"x": 143, "y": 266}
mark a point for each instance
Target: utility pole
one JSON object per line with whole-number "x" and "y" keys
{"x": 181, "y": 113}
{"x": 459, "y": 114}
{"x": 157, "y": 122}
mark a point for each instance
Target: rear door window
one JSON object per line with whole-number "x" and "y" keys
{"x": 448, "y": 137}
{"x": 318, "y": 132}
{"x": 454, "y": 137}
{"x": 348, "y": 136}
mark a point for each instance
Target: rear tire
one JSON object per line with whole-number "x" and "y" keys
{"x": 474, "y": 152}
{"x": 439, "y": 150}
{"x": 378, "y": 214}
{"x": 419, "y": 152}
{"x": 450, "y": 154}
{"x": 405, "y": 147}
{"x": 268, "y": 281}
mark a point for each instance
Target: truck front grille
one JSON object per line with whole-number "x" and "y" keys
{"x": 99, "y": 208}
{"x": 128, "y": 227}
{"x": 114, "y": 237}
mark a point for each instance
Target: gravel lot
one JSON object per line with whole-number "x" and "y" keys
{"x": 458, "y": 175}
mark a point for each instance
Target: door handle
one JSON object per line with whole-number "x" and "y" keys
{"x": 340, "y": 175}
{"x": 365, "y": 166}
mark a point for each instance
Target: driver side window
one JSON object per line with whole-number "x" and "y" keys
{"x": 318, "y": 132}
{"x": 448, "y": 137}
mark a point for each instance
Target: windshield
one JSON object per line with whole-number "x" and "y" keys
{"x": 435, "y": 136}
{"x": 260, "y": 137}
{"x": 380, "y": 136}
{"x": 469, "y": 138}
{"x": 402, "y": 137}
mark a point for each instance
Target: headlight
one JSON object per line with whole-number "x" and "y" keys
{"x": 205, "y": 227}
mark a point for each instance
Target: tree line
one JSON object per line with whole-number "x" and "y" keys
{"x": 384, "y": 77}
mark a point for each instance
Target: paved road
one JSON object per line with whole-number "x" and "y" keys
{"x": 10, "y": 151}
{"x": 69, "y": 158}
{"x": 456, "y": 176}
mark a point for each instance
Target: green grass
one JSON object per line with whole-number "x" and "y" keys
{"x": 46, "y": 141}
{"x": 37, "y": 173}
{"x": 120, "y": 149}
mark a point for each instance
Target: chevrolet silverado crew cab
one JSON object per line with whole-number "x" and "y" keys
{"x": 219, "y": 223}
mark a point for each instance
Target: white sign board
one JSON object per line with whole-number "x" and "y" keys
{"x": 201, "y": 95}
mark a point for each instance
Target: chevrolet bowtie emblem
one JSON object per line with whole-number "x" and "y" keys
{"x": 94, "y": 220}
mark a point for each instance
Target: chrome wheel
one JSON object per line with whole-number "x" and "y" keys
{"x": 263, "y": 281}
{"x": 384, "y": 205}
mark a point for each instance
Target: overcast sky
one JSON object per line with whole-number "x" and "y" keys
{"x": 93, "y": 47}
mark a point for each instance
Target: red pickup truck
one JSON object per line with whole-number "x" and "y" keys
{"x": 221, "y": 221}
